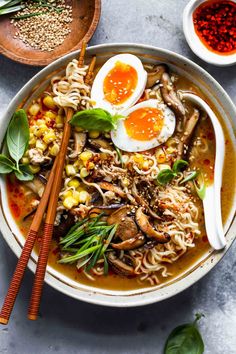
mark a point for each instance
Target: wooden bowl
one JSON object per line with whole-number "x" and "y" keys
{"x": 86, "y": 14}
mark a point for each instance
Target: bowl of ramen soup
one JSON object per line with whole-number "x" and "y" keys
{"x": 129, "y": 228}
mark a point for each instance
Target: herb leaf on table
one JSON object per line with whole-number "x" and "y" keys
{"x": 185, "y": 339}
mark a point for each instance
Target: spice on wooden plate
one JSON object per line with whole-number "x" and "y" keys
{"x": 215, "y": 24}
{"x": 43, "y": 26}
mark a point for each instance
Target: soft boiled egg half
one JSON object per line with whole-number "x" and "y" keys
{"x": 145, "y": 126}
{"x": 119, "y": 83}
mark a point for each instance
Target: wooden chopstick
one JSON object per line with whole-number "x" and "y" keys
{"x": 51, "y": 213}
{"x": 26, "y": 252}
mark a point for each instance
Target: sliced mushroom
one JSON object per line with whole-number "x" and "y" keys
{"x": 127, "y": 227}
{"x": 146, "y": 227}
{"x": 131, "y": 243}
{"x": 79, "y": 143}
{"x": 36, "y": 186}
{"x": 99, "y": 143}
{"x": 170, "y": 96}
{"x": 64, "y": 226}
{"x": 188, "y": 133}
{"x": 142, "y": 202}
{"x": 124, "y": 266}
{"x": 155, "y": 75}
{"x": 112, "y": 188}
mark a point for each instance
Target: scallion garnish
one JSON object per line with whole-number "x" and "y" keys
{"x": 87, "y": 242}
{"x": 200, "y": 186}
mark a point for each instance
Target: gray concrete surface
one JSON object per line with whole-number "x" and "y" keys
{"x": 71, "y": 327}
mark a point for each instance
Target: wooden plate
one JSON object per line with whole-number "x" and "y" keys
{"x": 86, "y": 14}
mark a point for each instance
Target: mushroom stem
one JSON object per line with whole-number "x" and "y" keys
{"x": 170, "y": 96}
{"x": 188, "y": 133}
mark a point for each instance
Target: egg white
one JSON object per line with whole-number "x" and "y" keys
{"x": 97, "y": 93}
{"x": 124, "y": 142}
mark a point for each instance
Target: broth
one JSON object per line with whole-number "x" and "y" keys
{"x": 19, "y": 203}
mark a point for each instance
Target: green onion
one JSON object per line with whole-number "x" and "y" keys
{"x": 119, "y": 155}
{"x": 200, "y": 186}
{"x": 190, "y": 176}
{"x": 87, "y": 241}
{"x": 8, "y": 10}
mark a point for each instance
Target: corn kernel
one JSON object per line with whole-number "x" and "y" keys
{"x": 83, "y": 197}
{"x": 32, "y": 142}
{"x": 34, "y": 168}
{"x": 50, "y": 115}
{"x": 70, "y": 170}
{"x": 59, "y": 119}
{"x": 31, "y": 129}
{"x": 67, "y": 194}
{"x": 74, "y": 183}
{"x": 41, "y": 145}
{"x": 76, "y": 196}
{"x": 83, "y": 172}
{"x": 86, "y": 155}
{"x": 54, "y": 150}
{"x": 145, "y": 165}
{"x": 164, "y": 167}
{"x": 160, "y": 156}
{"x": 49, "y": 102}
{"x": 34, "y": 109}
{"x": 91, "y": 166}
{"x": 69, "y": 202}
{"x": 49, "y": 137}
{"x": 94, "y": 134}
{"x": 42, "y": 129}
{"x": 138, "y": 158}
{"x": 25, "y": 160}
{"x": 78, "y": 129}
{"x": 39, "y": 122}
{"x": 126, "y": 182}
{"x": 170, "y": 150}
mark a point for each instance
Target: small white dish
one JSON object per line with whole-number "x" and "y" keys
{"x": 196, "y": 44}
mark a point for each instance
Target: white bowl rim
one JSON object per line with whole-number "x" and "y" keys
{"x": 96, "y": 296}
{"x": 196, "y": 44}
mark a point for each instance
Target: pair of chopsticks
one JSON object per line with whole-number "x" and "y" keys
{"x": 49, "y": 200}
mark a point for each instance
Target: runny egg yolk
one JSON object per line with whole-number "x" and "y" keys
{"x": 120, "y": 83}
{"x": 144, "y": 123}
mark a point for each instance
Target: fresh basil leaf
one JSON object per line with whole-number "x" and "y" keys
{"x": 6, "y": 165}
{"x": 179, "y": 165}
{"x": 95, "y": 119}
{"x": 24, "y": 173}
{"x": 190, "y": 176}
{"x": 165, "y": 176}
{"x": 18, "y": 135}
{"x": 184, "y": 339}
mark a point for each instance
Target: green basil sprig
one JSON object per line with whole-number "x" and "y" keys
{"x": 17, "y": 139}
{"x": 185, "y": 339}
{"x": 166, "y": 175}
{"x": 95, "y": 119}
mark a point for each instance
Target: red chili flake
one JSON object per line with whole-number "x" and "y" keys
{"x": 56, "y": 250}
{"x": 206, "y": 162}
{"x": 15, "y": 209}
{"x": 204, "y": 238}
{"x": 215, "y": 24}
{"x": 210, "y": 136}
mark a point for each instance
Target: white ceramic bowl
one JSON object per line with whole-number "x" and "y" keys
{"x": 196, "y": 44}
{"x": 15, "y": 239}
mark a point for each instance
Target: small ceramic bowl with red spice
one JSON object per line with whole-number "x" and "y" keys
{"x": 209, "y": 28}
